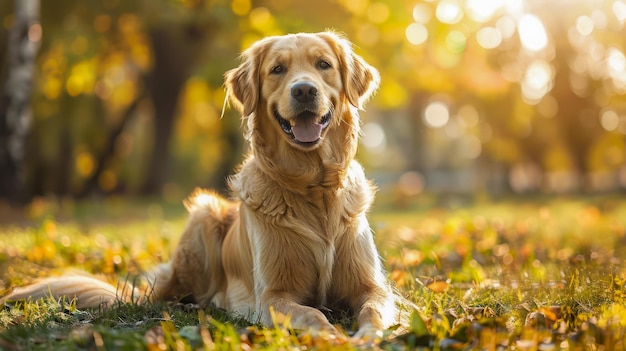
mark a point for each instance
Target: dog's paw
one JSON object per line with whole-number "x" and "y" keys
{"x": 367, "y": 335}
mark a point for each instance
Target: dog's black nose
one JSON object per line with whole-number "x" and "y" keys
{"x": 304, "y": 91}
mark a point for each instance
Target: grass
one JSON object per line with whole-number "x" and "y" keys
{"x": 535, "y": 274}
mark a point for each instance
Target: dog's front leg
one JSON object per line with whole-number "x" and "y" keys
{"x": 299, "y": 316}
{"x": 377, "y": 310}
{"x": 360, "y": 273}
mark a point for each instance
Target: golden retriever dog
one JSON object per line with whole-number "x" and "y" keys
{"x": 296, "y": 240}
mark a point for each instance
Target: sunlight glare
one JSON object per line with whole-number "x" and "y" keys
{"x": 532, "y": 33}
{"x": 436, "y": 114}
{"x": 449, "y": 12}
{"x": 416, "y": 33}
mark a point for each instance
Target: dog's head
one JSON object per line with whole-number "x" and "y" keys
{"x": 301, "y": 83}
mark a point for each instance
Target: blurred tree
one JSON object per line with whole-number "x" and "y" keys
{"x": 116, "y": 56}
{"x": 24, "y": 39}
{"x": 128, "y": 93}
{"x": 175, "y": 49}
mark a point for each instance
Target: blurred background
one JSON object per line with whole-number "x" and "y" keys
{"x": 494, "y": 97}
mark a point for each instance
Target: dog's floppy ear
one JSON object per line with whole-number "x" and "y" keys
{"x": 359, "y": 78}
{"x": 243, "y": 83}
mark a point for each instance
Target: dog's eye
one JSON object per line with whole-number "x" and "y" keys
{"x": 279, "y": 69}
{"x": 321, "y": 64}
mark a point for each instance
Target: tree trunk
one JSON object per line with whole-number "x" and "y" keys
{"x": 175, "y": 53}
{"x": 165, "y": 84}
{"x": 416, "y": 154}
{"x": 24, "y": 41}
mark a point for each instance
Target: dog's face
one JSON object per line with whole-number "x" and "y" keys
{"x": 302, "y": 84}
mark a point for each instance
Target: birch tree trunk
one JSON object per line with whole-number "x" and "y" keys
{"x": 24, "y": 41}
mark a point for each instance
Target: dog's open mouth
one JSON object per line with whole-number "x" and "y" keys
{"x": 305, "y": 128}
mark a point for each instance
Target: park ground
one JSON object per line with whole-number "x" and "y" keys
{"x": 541, "y": 273}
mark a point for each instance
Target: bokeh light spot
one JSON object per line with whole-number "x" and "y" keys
{"x": 422, "y": 13}
{"x": 584, "y": 25}
{"x": 471, "y": 147}
{"x": 619, "y": 9}
{"x": 107, "y": 180}
{"x": 416, "y": 33}
{"x": 35, "y": 32}
{"x": 261, "y": 19}
{"x": 532, "y": 33}
{"x": 506, "y": 26}
{"x": 436, "y": 114}
{"x": 85, "y": 164}
{"x": 616, "y": 61}
{"x": 468, "y": 116}
{"x": 537, "y": 81}
{"x": 489, "y": 37}
{"x": 240, "y": 7}
{"x": 378, "y": 12}
{"x": 411, "y": 183}
{"x": 368, "y": 34}
{"x": 455, "y": 41}
{"x": 449, "y": 12}
{"x": 374, "y": 137}
{"x": 609, "y": 120}
{"x": 482, "y": 10}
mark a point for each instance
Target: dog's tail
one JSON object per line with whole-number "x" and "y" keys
{"x": 87, "y": 291}
{"x": 198, "y": 260}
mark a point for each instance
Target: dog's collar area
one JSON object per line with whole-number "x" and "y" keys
{"x": 309, "y": 137}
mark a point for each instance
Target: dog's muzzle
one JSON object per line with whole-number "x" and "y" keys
{"x": 307, "y": 126}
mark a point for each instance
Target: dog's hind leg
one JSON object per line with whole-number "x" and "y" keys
{"x": 196, "y": 267}
{"x": 87, "y": 291}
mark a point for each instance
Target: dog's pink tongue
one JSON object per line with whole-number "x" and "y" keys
{"x": 306, "y": 130}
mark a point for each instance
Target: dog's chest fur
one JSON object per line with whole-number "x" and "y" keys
{"x": 305, "y": 227}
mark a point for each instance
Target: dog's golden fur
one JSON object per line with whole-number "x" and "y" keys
{"x": 297, "y": 239}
